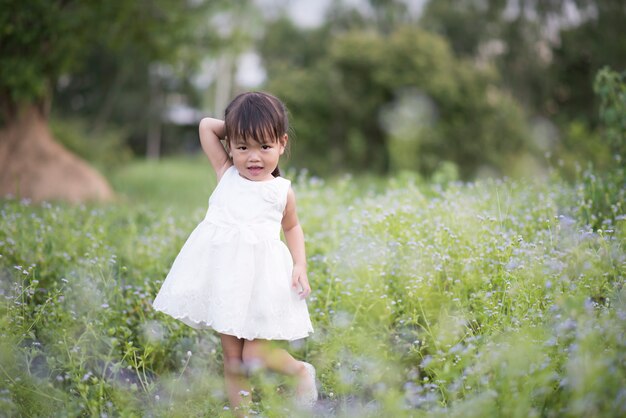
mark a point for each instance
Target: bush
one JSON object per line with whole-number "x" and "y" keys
{"x": 610, "y": 87}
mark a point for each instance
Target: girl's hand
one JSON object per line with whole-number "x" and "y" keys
{"x": 299, "y": 281}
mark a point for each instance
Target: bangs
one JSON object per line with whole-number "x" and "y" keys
{"x": 255, "y": 117}
{"x": 262, "y": 134}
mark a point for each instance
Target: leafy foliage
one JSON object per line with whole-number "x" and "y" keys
{"x": 583, "y": 50}
{"x": 345, "y": 91}
{"x": 610, "y": 87}
{"x": 42, "y": 40}
{"x": 481, "y": 299}
{"x": 104, "y": 149}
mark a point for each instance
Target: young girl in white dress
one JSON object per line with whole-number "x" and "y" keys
{"x": 234, "y": 274}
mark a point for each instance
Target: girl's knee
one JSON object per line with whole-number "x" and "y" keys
{"x": 251, "y": 357}
{"x": 232, "y": 348}
{"x": 233, "y": 365}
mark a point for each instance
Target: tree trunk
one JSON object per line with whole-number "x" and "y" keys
{"x": 153, "y": 146}
{"x": 34, "y": 166}
{"x": 223, "y": 83}
{"x": 155, "y": 108}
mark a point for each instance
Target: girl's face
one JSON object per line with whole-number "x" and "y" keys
{"x": 256, "y": 161}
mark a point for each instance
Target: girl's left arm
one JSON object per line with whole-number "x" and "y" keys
{"x": 295, "y": 242}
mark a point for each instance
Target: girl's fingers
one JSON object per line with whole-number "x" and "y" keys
{"x": 303, "y": 284}
{"x": 306, "y": 291}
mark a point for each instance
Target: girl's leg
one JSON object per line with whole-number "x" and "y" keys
{"x": 262, "y": 353}
{"x": 234, "y": 375}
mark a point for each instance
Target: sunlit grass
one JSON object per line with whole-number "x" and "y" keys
{"x": 183, "y": 183}
{"x": 493, "y": 298}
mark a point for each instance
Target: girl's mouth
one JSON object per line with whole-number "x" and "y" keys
{"x": 255, "y": 169}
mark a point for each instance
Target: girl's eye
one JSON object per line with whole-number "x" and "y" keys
{"x": 241, "y": 147}
{"x": 265, "y": 146}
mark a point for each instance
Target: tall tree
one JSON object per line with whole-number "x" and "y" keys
{"x": 113, "y": 87}
{"x": 44, "y": 40}
{"x": 366, "y": 100}
{"x": 583, "y": 49}
{"x": 547, "y": 51}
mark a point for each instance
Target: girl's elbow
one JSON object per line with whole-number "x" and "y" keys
{"x": 291, "y": 227}
{"x": 210, "y": 125}
{"x": 204, "y": 124}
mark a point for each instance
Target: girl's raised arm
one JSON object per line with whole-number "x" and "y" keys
{"x": 211, "y": 132}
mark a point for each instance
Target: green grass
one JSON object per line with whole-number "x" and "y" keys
{"x": 181, "y": 183}
{"x": 488, "y": 299}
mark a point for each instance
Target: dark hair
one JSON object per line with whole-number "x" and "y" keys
{"x": 256, "y": 116}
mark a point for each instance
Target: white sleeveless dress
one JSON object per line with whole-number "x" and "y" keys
{"x": 233, "y": 274}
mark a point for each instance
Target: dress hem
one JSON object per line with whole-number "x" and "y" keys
{"x": 199, "y": 324}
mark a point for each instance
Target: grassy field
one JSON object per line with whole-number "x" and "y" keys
{"x": 488, "y": 299}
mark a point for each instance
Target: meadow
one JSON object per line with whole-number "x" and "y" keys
{"x": 484, "y": 299}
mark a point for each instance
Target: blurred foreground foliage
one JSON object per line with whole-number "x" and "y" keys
{"x": 483, "y": 299}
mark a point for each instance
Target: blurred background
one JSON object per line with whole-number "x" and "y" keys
{"x": 461, "y": 89}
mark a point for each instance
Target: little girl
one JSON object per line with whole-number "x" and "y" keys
{"x": 234, "y": 274}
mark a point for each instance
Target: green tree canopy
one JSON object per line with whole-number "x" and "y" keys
{"x": 344, "y": 99}
{"x": 43, "y": 42}
{"x": 40, "y": 40}
{"x": 547, "y": 52}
